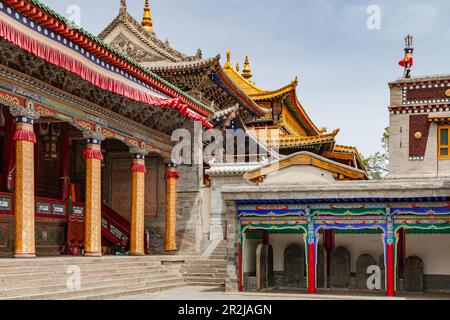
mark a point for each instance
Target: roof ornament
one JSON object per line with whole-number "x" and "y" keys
{"x": 247, "y": 73}
{"x": 123, "y": 7}
{"x": 407, "y": 61}
{"x": 147, "y": 18}
{"x": 238, "y": 67}
{"x": 167, "y": 42}
{"x": 229, "y": 56}
{"x": 199, "y": 54}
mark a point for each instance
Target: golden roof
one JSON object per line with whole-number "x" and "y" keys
{"x": 349, "y": 150}
{"x": 250, "y": 88}
{"x": 284, "y": 141}
{"x": 260, "y": 95}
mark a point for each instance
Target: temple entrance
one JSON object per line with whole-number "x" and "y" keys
{"x": 426, "y": 258}
{"x": 91, "y": 195}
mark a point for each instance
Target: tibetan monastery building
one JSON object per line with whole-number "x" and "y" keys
{"x": 308, "y": 219}
{"x": 85, "y": 133}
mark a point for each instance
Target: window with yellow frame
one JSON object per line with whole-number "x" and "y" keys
{"x": 443, "y": 142}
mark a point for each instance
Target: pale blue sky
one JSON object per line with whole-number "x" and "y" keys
{"x": 344, "y": 68}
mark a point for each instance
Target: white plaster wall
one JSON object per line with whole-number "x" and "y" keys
{"x": 299, "y": 173}
{"x": 399, "y": 164}
{"x": 434, "y": 250}
{"x": 361, "y": 244}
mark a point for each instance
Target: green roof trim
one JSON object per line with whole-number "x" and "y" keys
{"x": 120, "y": 54}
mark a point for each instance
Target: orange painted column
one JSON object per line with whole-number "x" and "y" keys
{"x": 24, "y": 239}
{"x": 93, "y": 216}
{"x": 138, "y": 171}
{"x": 171, "y": 207}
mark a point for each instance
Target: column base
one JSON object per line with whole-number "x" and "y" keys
{"x": 93, "y": 254}
{"x": 24, "y": 255}
{"x": 137, "y": 254}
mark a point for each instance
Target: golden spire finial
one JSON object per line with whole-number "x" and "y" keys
{"x": 147, "y": 19}
{"x": 229, "y": 56}
{"x": 246, "y": 73}
{"x": 237, "y": 67}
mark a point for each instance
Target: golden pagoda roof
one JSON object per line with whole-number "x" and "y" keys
{"x": 284, "y": 141}
{"x": 260, "y": 95}
{"x": 250, "y": 88}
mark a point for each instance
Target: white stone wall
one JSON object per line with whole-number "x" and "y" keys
{"x": 359, "y": 244}
{"x": 433, "y": 249}
{"x": 298, "y": 173}
{"x": 399, "y": 164}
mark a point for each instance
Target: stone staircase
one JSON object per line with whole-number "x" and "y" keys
{"x": 210, "y": 272}
{"x": 101, "y": 278}
{"x": 108, "y": 277}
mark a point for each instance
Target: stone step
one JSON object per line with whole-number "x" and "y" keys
{"x": 87, "y": 267}
{"x": 200, "y": 279}
{"x": 45, "y": 279}
{"x": 67, "y": 260}
{"x": 203, "y": 271}
{"x": 217, "y": 257}
{"x": 5, "y": 292}
{"x": 205, "y": 284}
{"x": 120, "y": 293}
{"x": 58, "y": 270}
{"x": 206, "y": 263}
{"x": 96, "y": 289}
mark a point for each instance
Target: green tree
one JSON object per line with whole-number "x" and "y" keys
{"x": 377, "y": 164}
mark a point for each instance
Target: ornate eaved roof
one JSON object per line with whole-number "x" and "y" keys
{"x": 287, "y": 94}
{"x": 90, "y": 45}
{"x": 304, "y": 158}
{"x": 203, "y": 78}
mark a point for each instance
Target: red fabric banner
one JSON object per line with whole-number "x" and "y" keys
{"x": 92, "y": 154}
{"x": 69, "y": 63}
{"x": 138, "y": 167}
{"x": 172, "y": 174}
{"x": 24, "y": 135}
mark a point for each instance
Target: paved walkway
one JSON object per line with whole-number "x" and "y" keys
{"x": 208, "y": 293}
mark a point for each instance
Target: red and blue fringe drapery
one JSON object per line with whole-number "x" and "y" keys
{"x": 69, "y": 63}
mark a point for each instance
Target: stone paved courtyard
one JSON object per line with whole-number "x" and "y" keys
{"x": 208, "y": 293}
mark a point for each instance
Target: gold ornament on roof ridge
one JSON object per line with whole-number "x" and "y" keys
{"x": 247, "y": 73}
{"x": 147, "y": 18}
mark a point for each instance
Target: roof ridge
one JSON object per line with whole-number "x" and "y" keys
{"x": 118, "y": 53}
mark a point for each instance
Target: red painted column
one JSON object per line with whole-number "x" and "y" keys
{"x": 65, "y": 162}
{"x": 36, "y": 158}
{"x": 240, "y": 284}
{"x": 311, "y": 268}
{"x": 328, "y": 243}
{"x": 390, "y": 270}
{"x": 311, "y": 242}
{"x": 9, "y": 156}
{"x": 390, "y": 245}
